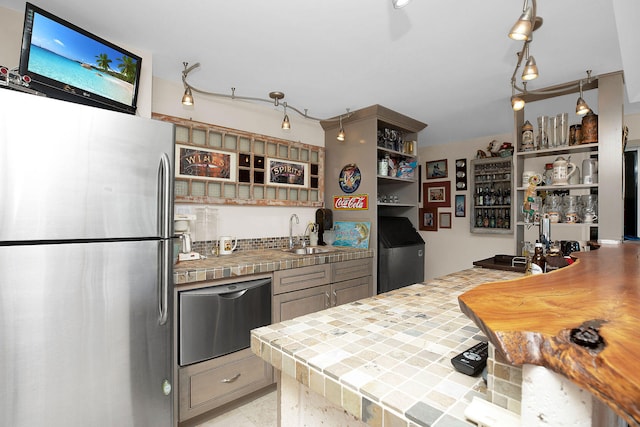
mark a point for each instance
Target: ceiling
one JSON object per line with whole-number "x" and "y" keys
{"x": 447, "y": 63}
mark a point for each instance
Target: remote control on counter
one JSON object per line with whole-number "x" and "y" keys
{"x": 472, "y": 360}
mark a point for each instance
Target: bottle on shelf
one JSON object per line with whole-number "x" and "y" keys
{"x": 538, "y": 262}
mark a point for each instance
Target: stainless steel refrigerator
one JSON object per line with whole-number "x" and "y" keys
{"x": 85, "y": 266}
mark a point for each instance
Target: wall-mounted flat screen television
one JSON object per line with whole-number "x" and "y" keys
{"x": 69, "y": 63}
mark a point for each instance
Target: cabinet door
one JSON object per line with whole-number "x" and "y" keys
{"x": 300, "y": 278}
{"x": 351, "y": 290}
{"x": 298, "y": 303}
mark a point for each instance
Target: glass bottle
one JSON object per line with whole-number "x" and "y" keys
{"x": 507, "y": 219}
{"x": 485, "y": 219}
{"x": 527, "y": 136}
{"x": 492, "y": 219}
{"x": 479, "y": 219}
{"x": 538, "y": 262}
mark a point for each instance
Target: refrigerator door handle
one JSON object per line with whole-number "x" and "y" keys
{"x": 164, "y": 196}
{"x": 166, "y": 248}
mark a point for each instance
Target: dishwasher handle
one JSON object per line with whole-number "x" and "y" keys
{"x": 230, "y": 291}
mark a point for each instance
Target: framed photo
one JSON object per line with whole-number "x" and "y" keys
{"x": 429, "y": 219}
{"x": 461, "y": 205}
{"x": 437, "y": 169}
{"x": 445, "y": 219}
{"x": 287, "y": 173}
{"x": 205, "y": 163}
{"x": 437, "y": 194}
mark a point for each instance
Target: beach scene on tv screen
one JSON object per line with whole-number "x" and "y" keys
{"x": 62, "y": 54}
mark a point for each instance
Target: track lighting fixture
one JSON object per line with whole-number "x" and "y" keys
{"x": 582, "y": 107}
{"x": 517, "y": 103}
{"x": 187, "y": 98}
{"x": 275, "y": 97}
{"x": 522, "y": 31}
{"x": 286, "y": 125}
{"x": 341, "y": 134}
{"x": 530, "y": 70}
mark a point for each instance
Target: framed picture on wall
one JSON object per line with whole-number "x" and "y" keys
{"x": 437, "y": 194}
{"x": 429, "y": 219}
{"x": 445, "y": 219}
{"x": 437, "y": 169}
{"x": 461, "y": 205}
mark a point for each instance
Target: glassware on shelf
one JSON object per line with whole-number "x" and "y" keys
{"x": 542, "y": 140}
{"x": 563, "y": 126}
{"x": 571, "y": 208}
{"x": 553, "y": 208}
{"x": 589, "y": 208}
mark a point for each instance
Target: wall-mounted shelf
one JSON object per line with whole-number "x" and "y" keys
{"x": 250, "y": 152}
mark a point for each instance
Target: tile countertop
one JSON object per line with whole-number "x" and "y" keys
{"x": 388, "y": 356}
{"x": 244, "y": 263}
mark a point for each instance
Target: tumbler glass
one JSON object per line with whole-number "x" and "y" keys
{"x": 562, "y": 121}
{"x": 543, "y": 133}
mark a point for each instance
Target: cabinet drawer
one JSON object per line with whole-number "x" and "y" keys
{"x": 205, "y": 386}
{"x": 300, "y": 278}
{"x": 352, "y": 269}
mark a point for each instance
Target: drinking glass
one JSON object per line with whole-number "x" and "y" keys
{"x": 543, "y": 133}
{"x": 562, "y": 121}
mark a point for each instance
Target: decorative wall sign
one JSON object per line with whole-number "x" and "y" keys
{"x": 288, "y": 173}
{"x": 203, "y": 163}
{"x": 437, "y": 194}
{"x": 349, "y": 179}
{"x": 437, "y": 169}
{"x": 461, "y": 205}
{"x": 461, "y": 174}
{"x": 352, "y": 234}
{"x": 351, "y": 203}
{"x": 445, "y": 219}
{"x": 429, "y": 219}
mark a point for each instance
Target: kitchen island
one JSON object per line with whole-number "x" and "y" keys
{"x": 580, "y": 322}
{"x": 384, "y": 359}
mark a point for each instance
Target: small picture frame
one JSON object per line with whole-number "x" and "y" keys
{"x": 437, "y": 194}
{"x": 437, "y": 169}
{"x": 461, "y": 205}
{"x": 429, "y": 219}
{"x": 445, "y": 219}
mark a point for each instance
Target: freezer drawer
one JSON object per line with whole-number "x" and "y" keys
{"x": 217, "y": 320}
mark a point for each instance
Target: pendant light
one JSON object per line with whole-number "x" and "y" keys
{"x": 286, "y": 125}
{"x": 517, "y": 103}
{"x": 582, "y": 107}
{"x": 399, "y": 4}
{"x": 187, "y": 98}
{"x": 341, "y": 134}
{"x": 530, "y": 70}
{"x": 523, "y": 27}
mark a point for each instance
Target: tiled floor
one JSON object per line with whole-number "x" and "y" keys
{"x": 261, "y": 412}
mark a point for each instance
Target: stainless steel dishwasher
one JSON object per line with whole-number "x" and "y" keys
{"x": 217, "y": 320}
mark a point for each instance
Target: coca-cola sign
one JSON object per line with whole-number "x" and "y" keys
{"x": 352, "y": 202}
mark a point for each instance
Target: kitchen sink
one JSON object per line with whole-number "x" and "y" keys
{"x": 308, "y": 250}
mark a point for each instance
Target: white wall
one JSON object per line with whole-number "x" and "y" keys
{"x": 243, "y": 222}
{"x": 453, "y": 249}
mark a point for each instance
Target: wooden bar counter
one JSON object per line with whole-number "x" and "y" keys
{"x": 582, "y": 322}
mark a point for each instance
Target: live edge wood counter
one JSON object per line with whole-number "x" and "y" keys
{"x": 531, "y": 320}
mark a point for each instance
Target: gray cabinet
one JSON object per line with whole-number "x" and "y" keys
{"x": 371, "y": 134}
{"x": 305, "y": 290}
{"x": 205, "y": 386}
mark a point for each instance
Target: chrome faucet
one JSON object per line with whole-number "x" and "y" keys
{"x": 294, "y": 216}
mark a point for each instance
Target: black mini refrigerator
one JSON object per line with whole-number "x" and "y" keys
{"x": 400, "y": 254}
